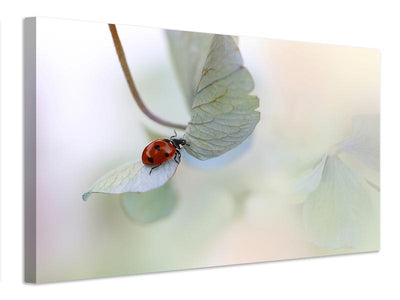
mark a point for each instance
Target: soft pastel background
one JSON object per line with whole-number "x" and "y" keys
{"x": 238, "y": 212}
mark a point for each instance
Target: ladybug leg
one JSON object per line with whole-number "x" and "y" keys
{"x": 177, "y": 154}
{"x": 151, "y": 170}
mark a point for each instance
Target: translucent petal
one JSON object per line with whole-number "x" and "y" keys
{"x": 223, "y": 113}
{"x": 189, "y": 52}
{"x": 310, "y": 181}
{"x": 151, "y": 206}
{"x": 133, "y": 177}
{"x": 364, "y": 141}
{"x": 335, "y": 212}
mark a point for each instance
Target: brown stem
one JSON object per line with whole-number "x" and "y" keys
{"x": 131, "y": 84}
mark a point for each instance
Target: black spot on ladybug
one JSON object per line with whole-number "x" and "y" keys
{"x": 166, "y": 154}
{"x": 150, "y": 159}
{"x": 157, "y": 147}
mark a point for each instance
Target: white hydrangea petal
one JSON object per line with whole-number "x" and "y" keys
{"x": 188, "y": 52}
{"x": 364, "y": 141}
{"x": 309, "y": 182}
{"x": 223, "y": 113}
{"x": 335, "y": 211}
{"x": 133, "y": 177}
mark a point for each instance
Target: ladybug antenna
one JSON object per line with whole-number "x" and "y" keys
{"x": 175, "y": 135}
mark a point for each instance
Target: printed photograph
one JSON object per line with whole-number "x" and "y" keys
{"x": 160, "y": 150}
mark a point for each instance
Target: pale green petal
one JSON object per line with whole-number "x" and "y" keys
{"x": 189, "y": 52}
{"x": 133, "y": 177}
{"x": 309, "y": 182}
{"x": 223, "y": 59}
{"x": 335, "y": 212}
{"x": 151, "y": 206}
{"x": 223, "y": 113}
{"x": 364, "y": 141}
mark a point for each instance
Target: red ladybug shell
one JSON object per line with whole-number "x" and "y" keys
{"x": 157, "y": 152}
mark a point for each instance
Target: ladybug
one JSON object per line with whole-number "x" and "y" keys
{"x": 162, "y": 150}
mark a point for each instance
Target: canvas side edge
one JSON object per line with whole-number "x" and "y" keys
{"x": 29, "y": 59}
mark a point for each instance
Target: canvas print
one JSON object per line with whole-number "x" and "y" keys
{"x": 154, "y": 150}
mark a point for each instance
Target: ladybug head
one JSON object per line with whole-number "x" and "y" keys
{"x": 178, "y": 143}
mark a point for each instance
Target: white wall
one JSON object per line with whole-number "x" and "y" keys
{"x": 355, "y": 23}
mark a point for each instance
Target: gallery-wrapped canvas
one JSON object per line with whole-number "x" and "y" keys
{"x": 151, "y": 150}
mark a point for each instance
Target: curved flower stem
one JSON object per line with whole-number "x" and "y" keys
{"x": 131, "y": 84}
